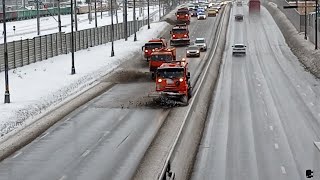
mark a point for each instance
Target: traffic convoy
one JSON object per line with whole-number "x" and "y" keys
{"x": 171, "y": 75}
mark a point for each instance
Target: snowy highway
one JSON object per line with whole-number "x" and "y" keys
{"x": 265, "y": 113}
{"x": 107, "y": 137}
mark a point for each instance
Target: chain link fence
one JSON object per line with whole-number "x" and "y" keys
{"x": 24, "y": 52}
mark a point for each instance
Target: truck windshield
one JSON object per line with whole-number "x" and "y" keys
{"x": 161, "y": 57}
{"x": 153, "y": 45}
{"x": 183, "y": 12}
{"x": 170, "y": 73}
{"x": 179, "y": 31}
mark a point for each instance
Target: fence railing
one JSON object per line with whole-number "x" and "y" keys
{"x": 27, "y": 51}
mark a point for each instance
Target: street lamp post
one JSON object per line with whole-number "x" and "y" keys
{"x": 73, "y": 70}
{"x": 75, "y": 15}
{"x": 159, "y": 11}
{"x": 101, "y": 8}
{"x": 95, "y": 13}
{"x": 38, "y": 17}
{"x": 59, "y": 16}
{"x": 125, "y": 11}
{"x": 305, "y": 19}
{"x": 134, "y": 21}
{"x": 112, "y": 31}
{"x": 316, "y": 25}
{"x": 148, "y": 14}
{"x": 6, "y": 68}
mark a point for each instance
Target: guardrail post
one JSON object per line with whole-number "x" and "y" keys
{"x": 46, "y": 42}
{"x": 34, "y": 50}
{"x": 28, "y": 51}
{"x": 21, "y": 52}
{"x": 65, "y": 42}
{"x": 14, "y": 54}
{"x": 40, "y": 48}
{"x": 51, "y": 39}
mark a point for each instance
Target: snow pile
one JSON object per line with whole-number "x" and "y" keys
{"x": 41, "y": 86}
{"x": 303, "y": 49}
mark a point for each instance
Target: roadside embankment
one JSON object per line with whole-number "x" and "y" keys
{"x": 303, "y": 49}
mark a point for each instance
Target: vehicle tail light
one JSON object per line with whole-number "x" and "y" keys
{"x": 152, "y": 50}
{"x": 173, "y": 36}
{"x": 181, "y": 79}
{"x": 177, "y": 15}
{"x": 146, "y": 51}
{"x": 160, "y": 80}
{"x": 185, "y": 35}
{"x": 186, "y": 15}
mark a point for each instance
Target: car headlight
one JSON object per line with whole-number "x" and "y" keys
{"x": 198, "y": 51}
{"x": 188, "y": 52}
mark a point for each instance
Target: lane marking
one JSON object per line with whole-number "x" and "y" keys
{"x": 68, "y": 119}
{"x": 283, "y": 170}
{"x": 17, "y": 154}
{"x": 63, "y": 177}
{"x": 298, "y": 86}
{"x": 311, "y": 104}
{"x": 271, "y": 128}
{"x": 276, "y": 146}
{"x": 46, "y": 134}
{"x": 100, "y": 139}
{"x": 259, "y": 85}
{"x": 266, "y": 113}
{"x": 310, "y": 88}
{"x": 304, "y": 94}
{"x": 85, "y": 153}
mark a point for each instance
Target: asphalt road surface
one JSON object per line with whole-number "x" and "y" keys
{"x": 265, "y": 113}
{"x": 104, "y": 139}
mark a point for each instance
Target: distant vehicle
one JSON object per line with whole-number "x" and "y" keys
{"x": 194, "y": 13}
{"x": 238, "y": 17}
{"x": 201, "y": 9}
{"x": 183, "y": 15}
{"x": 193, "y": 51}
{"x": 160, "y": 56}
{"x": 201, "y": 15}
{"x": 238, "y": 49}
{"x": 180, "y": 35}
{"x": 315, "y": 173}
{"x": 201, "y": 43}
{"x": 254, "y": 6}
{"x": 212, "y": 12}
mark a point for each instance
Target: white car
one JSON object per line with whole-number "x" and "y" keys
{"x": 201, "y": 15}
{"x": 238, "y": 49}
{"x": 201, "y": 43}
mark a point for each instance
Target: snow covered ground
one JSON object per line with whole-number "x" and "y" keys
{"x": 28, "y": 28}
{"x": 41, "y": 86}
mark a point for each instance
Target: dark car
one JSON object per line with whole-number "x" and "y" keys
{"x": 238, "y": 17}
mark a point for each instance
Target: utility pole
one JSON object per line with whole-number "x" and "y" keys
{"x": 6, "y": 68}
{"x": 59, "y": 16}
{"x": 38, "y": 17}
{"x": 112, "y": 31}
{"x": 305, "y": 20}
{"x": 159, "y": 10}
{"x": 76, "y": 15}
{"x": 148, "y": 14}
{"x": 89, "y": 15}
{"x": 134, "y": 21}
{"x": 316, "y": 24}
{"x": 73, "y": 70}
{"x": 95, "y": 13}
{"x": 125, "y": 21}
{"x": 101, "y": 8}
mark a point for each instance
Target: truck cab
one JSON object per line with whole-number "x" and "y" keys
{"x": 173, "y": 80}
{"x": 153, "y": 44}
{"x": 180, "y": 35}
{"x": 183, "y": 15}
{"x": 160, "y": 56}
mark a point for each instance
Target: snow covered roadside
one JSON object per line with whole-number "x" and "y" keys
{"x": 303, "y": 49}
{"x": 38, "y": 88}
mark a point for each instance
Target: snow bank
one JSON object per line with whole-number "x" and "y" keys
{"x": 38, "y": 87}
{"x": 303, "y": 49}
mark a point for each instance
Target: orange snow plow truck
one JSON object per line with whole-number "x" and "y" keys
{"x": 173, "y": 81}
{"x": 180, "y": 35}
{"x": 183, "y": 16}
{"x": 153, "y": 44}
{"x": 160, "y": 56}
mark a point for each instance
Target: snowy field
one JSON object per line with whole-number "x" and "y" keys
{"x": 39, "y": 87}
{"x": 28, "y": 28}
